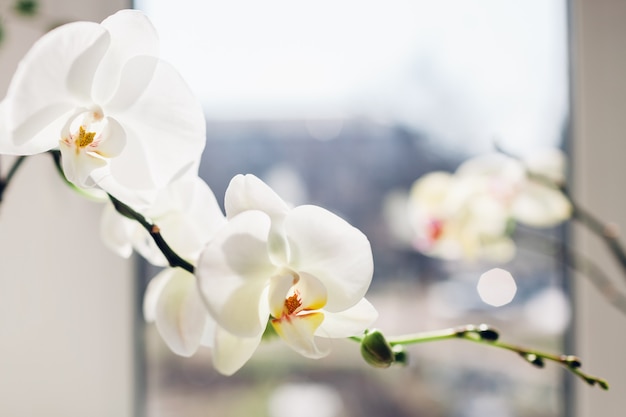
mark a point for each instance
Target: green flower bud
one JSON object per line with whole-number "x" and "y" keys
{"x": 26, "y": 7}
{"x": 400, "y": 354}
{"x": 376, "y": 350}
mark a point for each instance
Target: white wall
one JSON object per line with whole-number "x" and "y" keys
{"x": 66, "y": 302}
{"x": 599, "y": 28}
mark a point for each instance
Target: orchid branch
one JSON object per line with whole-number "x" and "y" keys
{"x": 173, "y": 259}
{"x": 578, "y": 262}
{"x": 608, "y": 233}
{"x": 382, "y": 352}
{"x": 5, "y": 182}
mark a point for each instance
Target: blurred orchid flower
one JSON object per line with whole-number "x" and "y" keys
{"x": 528, "y": 187}
{"x": 469, "y": 214}
{"x": 123, "y": 119}
{"x": 453, "y": 219}
{"x": 304, "y": 269}
{"x": 187, "y": 215}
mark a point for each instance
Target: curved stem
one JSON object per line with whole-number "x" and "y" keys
{"x": 541, "y": 244}
{"x": 606, "y": 232}
{"x": 4, "y": 183}
{"x": 173, "y": 259}
{"x": 487, "y": 335}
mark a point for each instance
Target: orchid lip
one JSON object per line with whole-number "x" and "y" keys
{"x": 85, "y": 130}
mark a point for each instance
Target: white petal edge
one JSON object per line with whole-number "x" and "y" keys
{"x": 180, "y": 313}
{"x": 51, "y": 77}
{"x": 233, "y": 273}
{"x": 116, "y": 231}
{"x": 298, "y": 332}
{"x": 350, "y": 322}
{"x": 230, "y": 352}
{"x": 132, "y": 34}
{"x": 327, "y": 247}
{"x": 248, "y": 192}
{"x": 165, "y": 129}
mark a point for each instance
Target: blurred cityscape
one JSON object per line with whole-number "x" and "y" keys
{"x": 351, "y": 168}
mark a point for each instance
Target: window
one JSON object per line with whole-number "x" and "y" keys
{"x": 344, "y": 104}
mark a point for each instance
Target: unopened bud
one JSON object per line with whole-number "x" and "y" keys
{"x": 400, "y": 355}
{"x": 376, "y": 350}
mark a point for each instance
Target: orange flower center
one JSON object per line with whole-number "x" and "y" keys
{"x": 292, "y": 304}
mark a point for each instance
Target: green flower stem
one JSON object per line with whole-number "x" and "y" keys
{"x": 173, "y": 259}
{"x": 487, "y": 335}
{"x": 5, "y": 182}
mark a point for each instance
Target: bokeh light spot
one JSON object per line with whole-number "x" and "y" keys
{"x": 496, "y": 287}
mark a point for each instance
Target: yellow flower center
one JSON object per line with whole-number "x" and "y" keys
{"x": 84, "y": 138}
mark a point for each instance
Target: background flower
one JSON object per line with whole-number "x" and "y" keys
{"x": 470, "y": 214}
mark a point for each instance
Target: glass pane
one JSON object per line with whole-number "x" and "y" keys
{"x": 344, "y": 104}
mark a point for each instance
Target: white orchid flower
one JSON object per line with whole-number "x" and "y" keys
{"x": 123, "y": 119}
{"x": 303, "y": 269}
{"x": 187, "y": 215}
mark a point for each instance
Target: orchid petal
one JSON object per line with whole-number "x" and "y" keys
{"x": 131, "y": 35}
{"x": 541, "y": 206}
{"x": 116, "y": 231}
{"x": 210, "y": 329}
{"x": 166, "y": 127}
{"x": 231, "y": 352}
{"x": 549, "y": 163}
{"x": 34, "y": 137}
{"x": 312, "y": 293}
{"x": 138, "y": 199}
{"x": 309, "y": 291}
{"x": 180, "y": 313}
{"x": 298, "y": 332}
{"x": 350, "y": 322}
{"x": 187, "y": 215}
{"x": 78, "y": 166}
{"x": 493, "y": 165}
{"x": 53, "y": 78}
{"x": 233, "y": 273}
{"x": 153, "y": 293}
{"x": 134, "y": 79}
{"x": 192, "y": 216}
{"x": 113, "y": 140}
{"x": 247, "y": 192}
{"x": 325, "y": 246}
